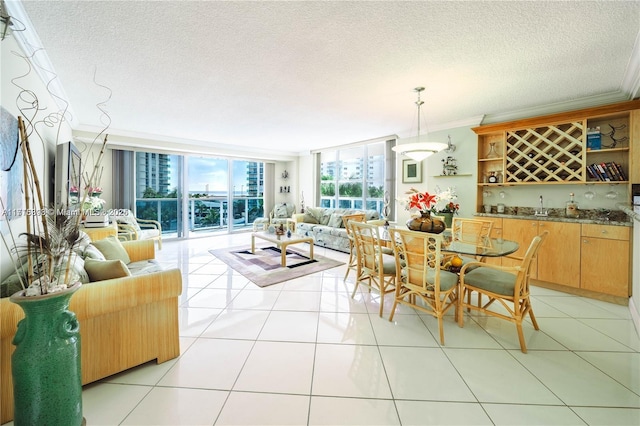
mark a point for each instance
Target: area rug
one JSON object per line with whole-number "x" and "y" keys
{"x": 263, "y": 267}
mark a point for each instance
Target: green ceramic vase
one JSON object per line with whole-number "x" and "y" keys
{"x": 45, "y": 366}
{"x": 448, "y": 218}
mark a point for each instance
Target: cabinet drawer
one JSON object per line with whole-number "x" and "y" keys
{"x": 605, "y": 231}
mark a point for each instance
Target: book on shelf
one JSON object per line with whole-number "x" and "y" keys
{"x": 606, "y": 172}
{"x": 593, "y": 174}
{"x": 612, "y": 171}
{"x": 594, "y": 139}
{"x": 623, "y": 176}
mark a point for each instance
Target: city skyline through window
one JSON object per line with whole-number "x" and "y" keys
{"x": 190, "y": 194}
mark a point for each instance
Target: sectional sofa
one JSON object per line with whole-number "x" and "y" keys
{"x": 326, "y": 226}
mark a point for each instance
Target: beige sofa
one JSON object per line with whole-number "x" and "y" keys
{"x": 124, "y": 322}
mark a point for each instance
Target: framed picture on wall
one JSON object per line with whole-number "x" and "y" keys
{"x": 411, "y": 171}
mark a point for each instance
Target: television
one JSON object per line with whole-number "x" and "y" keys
{"x": 68, "y": 172}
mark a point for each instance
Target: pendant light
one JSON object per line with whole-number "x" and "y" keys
{"x": 420, "y": 150}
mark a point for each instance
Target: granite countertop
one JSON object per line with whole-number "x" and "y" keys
{"x": 628, "y": 209}
{"x": 620, "y": 217}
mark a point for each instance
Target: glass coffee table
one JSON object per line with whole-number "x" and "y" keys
{"x": 281, "y": 241}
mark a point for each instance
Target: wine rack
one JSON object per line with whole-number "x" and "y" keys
{"x": 546, "y": 154}
{"x": 553, "y": 149}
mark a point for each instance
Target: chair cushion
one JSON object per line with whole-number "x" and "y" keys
{"x": 388, "y": 264}
{"x": 447, "y": 279}
{"x": 112, "y": 249}
{"x": 467, "y": 259}
{"x": 100, "y": 270}
{"x": 146, "y": 234}
{"x": 280, "y": 211}
{"x": 492, "y": 280}
{"x": 142, "y": 267}
{"x": 128, "y": 219}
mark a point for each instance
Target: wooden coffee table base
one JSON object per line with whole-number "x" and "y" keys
{"x": 281, "y": 241}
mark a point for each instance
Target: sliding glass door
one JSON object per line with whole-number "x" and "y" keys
{"x": 195, "y": 195}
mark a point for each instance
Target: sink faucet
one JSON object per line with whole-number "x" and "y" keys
{"x": 541, "y": 211}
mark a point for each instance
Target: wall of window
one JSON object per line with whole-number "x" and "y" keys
{"x": 357, "y": 177}
{"x": 192, "y": 195}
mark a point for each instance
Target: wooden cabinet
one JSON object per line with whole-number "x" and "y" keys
{"x": 605, "y": 259}
{"x": 553, "y": 149}
{"x": 590, "y": 257}
{"x": 559, "y": 255}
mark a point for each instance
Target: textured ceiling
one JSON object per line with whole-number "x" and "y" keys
{"x": 294, "y": 76}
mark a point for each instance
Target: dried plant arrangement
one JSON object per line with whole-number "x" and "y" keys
{"x": 43, "y": 254}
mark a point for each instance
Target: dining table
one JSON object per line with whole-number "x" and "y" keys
{"x": 485, "y": 247}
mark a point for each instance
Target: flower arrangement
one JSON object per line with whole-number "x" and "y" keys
{"x": 450, "y": 207}
{"x": 447, "y": 198}
{"x": 93, "y": 190}
{"x": 440, "y": 202}
{"x": 423, "y": 201}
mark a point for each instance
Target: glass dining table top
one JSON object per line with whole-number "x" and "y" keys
{"x": 490, "y": 247}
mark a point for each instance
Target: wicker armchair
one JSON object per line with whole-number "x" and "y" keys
{"x": 130, "y": 228}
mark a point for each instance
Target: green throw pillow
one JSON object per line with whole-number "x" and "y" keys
{"x": 112, "y": 249}
{"x": 100, "y": 270}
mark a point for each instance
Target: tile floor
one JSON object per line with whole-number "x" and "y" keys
{"x": 305, "y": 353}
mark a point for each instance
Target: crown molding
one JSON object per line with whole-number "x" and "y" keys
{"x": 465, "y": 122}
{"x": 124, "y": 139}
{"x": 574, "y": 104}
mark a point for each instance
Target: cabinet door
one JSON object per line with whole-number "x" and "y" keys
{"x": 605, "y": 266}
{"x": 523, "y": 232}
{"x": 559, "y": 254}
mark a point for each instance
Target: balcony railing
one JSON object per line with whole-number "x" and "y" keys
{"x": 204, "y": 213}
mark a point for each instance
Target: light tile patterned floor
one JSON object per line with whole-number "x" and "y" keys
{"x": 304, "y": 353}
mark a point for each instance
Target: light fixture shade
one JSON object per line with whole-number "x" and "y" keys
{"x": 418, "y": 151}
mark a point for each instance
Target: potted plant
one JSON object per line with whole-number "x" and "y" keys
{"x": 448, "y": 206}
{"x": 425, "y": 204}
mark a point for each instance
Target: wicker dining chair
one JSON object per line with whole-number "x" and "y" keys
{"x": 352, "y": 264}
{"x": 419, "y": 275}
{"x": 509, "y": 286}
{"x": 375, "y": 268}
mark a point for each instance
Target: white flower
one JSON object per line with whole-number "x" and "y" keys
{"x": 93, "y": 203}
{"x": 447, "y": 195}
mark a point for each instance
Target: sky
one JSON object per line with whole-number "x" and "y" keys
{"x": 211, "y": 171}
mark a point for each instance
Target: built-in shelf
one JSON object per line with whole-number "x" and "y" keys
{"x": 459, "y": 174}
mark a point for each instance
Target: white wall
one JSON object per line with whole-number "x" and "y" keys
{"x": 465, "y": 182}
{"x": 43, "y": 148}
